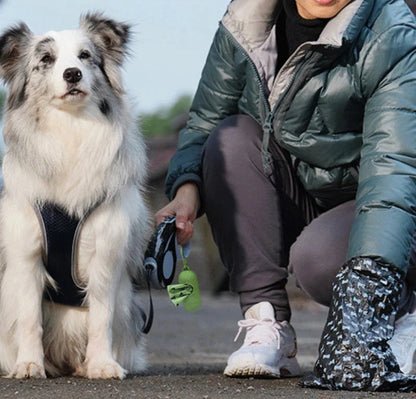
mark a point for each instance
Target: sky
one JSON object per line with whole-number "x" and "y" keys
{"x": 168, "y": 50}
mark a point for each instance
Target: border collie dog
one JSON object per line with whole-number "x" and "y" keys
{"x": 72, "y": 209}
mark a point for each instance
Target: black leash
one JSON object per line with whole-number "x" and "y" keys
{"x": 148, "y": 319}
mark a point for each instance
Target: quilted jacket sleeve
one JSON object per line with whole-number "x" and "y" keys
{"x": 385, "y": 220}
{"x": 216, "y": 98}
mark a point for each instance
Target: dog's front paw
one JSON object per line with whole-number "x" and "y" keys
{"x": 80, "y": 371}
{"x": 104, "y": 370}
{"x": 28, "y": 370}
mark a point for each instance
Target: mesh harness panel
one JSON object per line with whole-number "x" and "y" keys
{"x": 60, "y": 240}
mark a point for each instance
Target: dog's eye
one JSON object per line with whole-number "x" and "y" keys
{"x": 84, "y": 55}
{"x": 46, "y": 59}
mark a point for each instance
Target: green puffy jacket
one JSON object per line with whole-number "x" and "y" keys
{"x": 343, "y": 106}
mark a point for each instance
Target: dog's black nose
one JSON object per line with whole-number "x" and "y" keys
{"x": 72, "y": 75}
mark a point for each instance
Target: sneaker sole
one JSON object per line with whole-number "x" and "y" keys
{"x": 289, "y": 369}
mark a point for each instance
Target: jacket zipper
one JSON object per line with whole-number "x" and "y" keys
{"x": 301, "y": 74}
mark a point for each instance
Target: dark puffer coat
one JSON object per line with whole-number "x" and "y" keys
{"x": 343, "y": 106}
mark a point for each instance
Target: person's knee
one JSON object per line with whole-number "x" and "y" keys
{"x": 314, "y": 275}
{"x": 320, "y": 251}
{"x": 235, "y": 135}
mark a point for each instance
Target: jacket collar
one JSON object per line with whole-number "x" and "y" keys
{"x": 251, "y": 22}
{"x": 346, "y": 26}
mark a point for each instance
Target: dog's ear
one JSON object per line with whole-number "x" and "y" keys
{"x": 13, "y": 44}
{"x": 111, "y": 38}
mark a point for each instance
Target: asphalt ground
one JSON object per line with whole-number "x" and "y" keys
{"x": 187, "y": 353}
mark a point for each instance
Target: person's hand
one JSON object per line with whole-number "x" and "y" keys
{"x": 185, "y": 207}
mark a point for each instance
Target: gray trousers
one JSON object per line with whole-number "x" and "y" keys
{"x": 267, "y": 226}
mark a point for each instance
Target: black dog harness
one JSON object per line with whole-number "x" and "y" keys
{"x": 60, "y": 240}
{"x": 61, "y": 233}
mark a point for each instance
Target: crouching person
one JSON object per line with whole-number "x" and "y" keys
{"x": 301, "y": 149}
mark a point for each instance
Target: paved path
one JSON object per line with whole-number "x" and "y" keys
{"x": 187, "y": 354}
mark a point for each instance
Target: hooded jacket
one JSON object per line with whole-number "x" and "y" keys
{"x": 343, "y": 106}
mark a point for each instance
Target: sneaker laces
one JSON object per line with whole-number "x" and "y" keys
{"x": 259, "y": 331}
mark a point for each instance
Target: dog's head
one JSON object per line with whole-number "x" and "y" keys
{"x": 66, "y": 69}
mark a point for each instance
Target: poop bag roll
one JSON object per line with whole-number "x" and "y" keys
{"x": 187, "y": 291}
{"x": 193, "y": 301}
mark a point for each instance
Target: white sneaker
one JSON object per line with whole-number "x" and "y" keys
{"x": 269, "y": 348}
{"x": 403, "y": 341}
